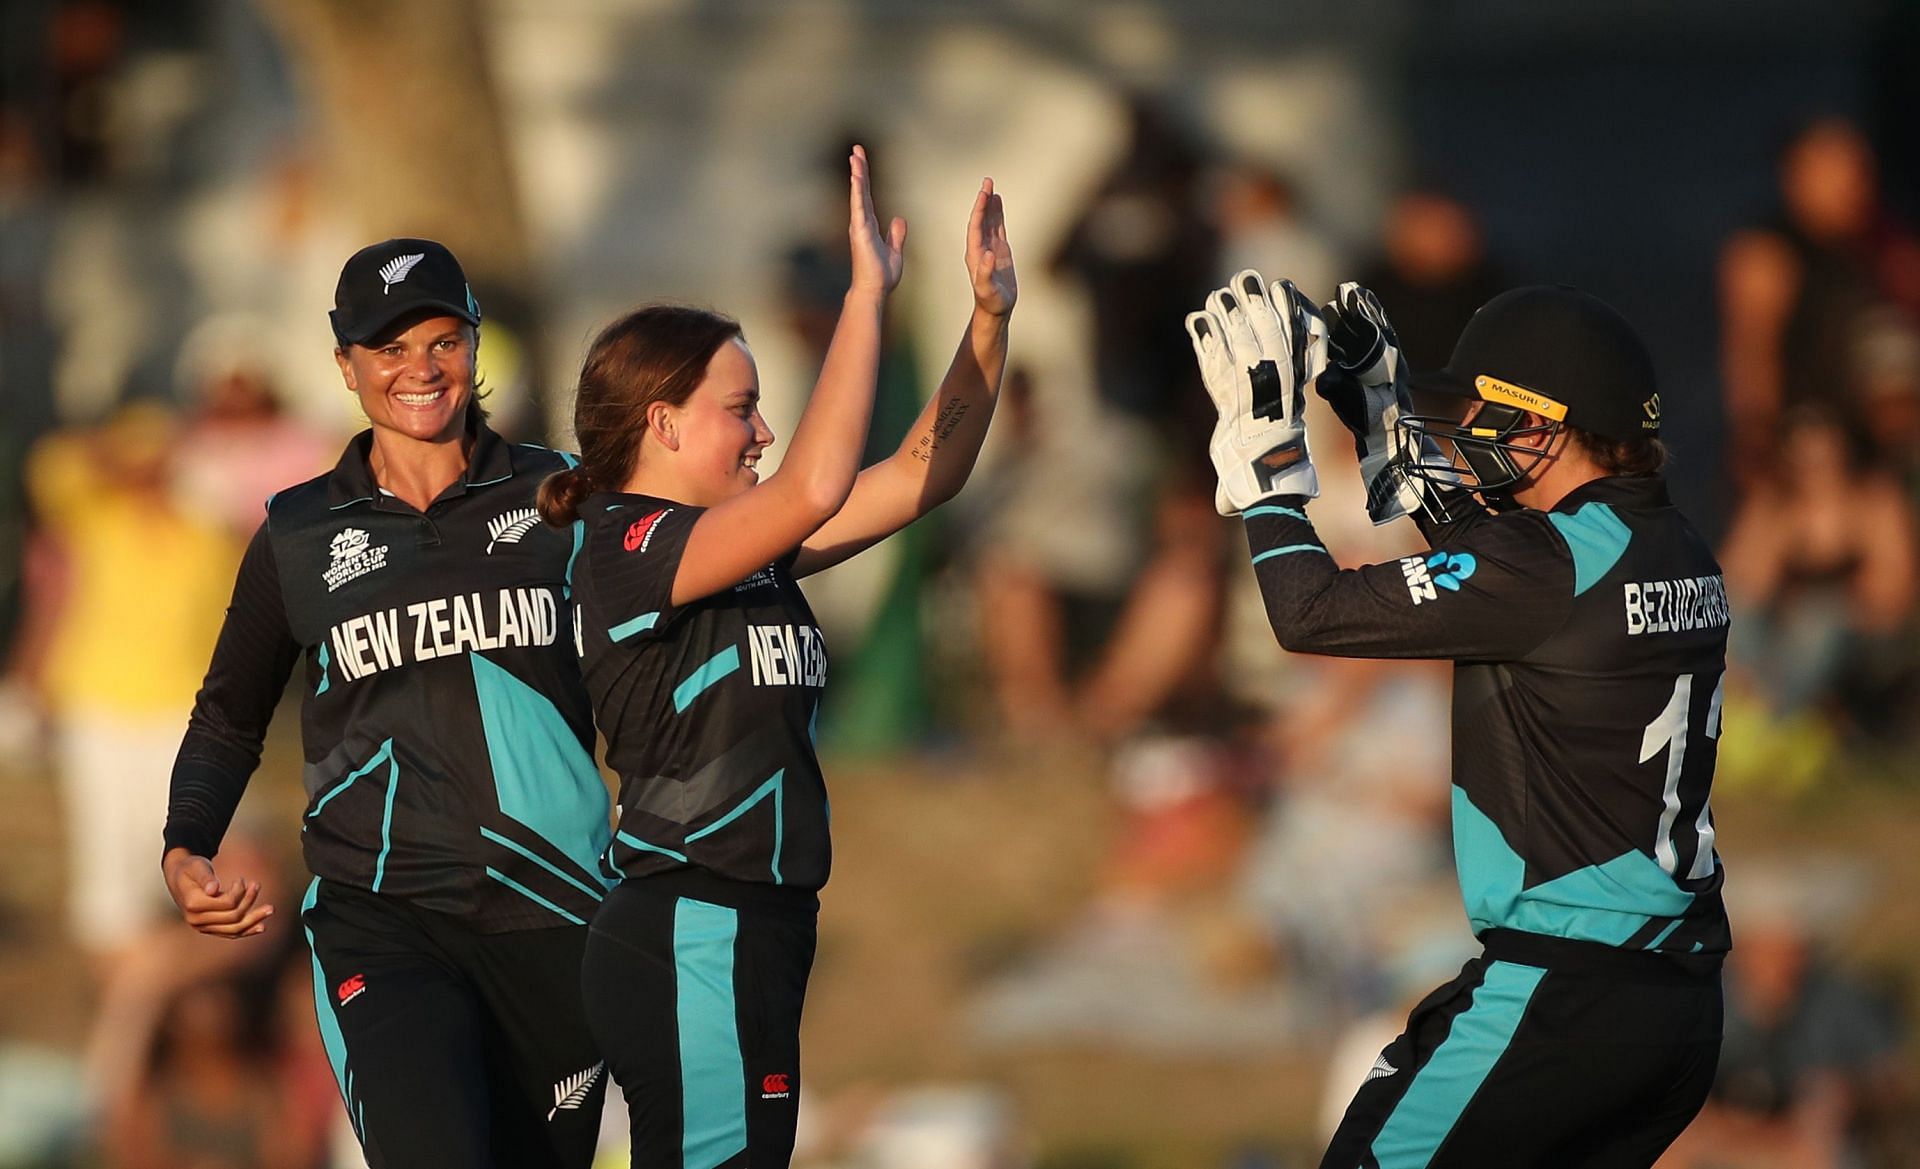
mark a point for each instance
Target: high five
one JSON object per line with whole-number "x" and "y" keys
{"x": 706, "y": 671}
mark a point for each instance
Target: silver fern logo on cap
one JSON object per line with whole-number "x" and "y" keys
{"x": 396, "y": 269}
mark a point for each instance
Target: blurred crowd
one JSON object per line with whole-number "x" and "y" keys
{"x": 1281, "y": 875}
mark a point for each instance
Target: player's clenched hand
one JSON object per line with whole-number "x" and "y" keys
{"x": 877, "y": 258}
{"x": 989, "y": 257}
{"x": 1258, "y": 347}
{"x": 231, "y": 909}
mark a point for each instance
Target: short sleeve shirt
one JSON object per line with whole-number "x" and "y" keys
{"x": 708, "y": 708}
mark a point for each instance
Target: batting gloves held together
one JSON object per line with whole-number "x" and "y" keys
{"x": 1258, "y": 347}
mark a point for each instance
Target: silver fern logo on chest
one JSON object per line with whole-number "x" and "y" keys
{"x": 509, "y": 526}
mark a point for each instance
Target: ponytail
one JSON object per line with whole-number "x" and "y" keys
{"x": 561, "y": 494}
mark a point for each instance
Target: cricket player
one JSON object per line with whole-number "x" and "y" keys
{"x": 1587, "y": 621}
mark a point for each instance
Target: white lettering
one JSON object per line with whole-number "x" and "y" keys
{"x": 1675, "y": 606}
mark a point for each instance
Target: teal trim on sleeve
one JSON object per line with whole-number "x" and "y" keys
{"x": 626, "y": 629}
{"x": 326, "y": 661}
{"x": 530, "y": 895}
{"x": 1270, "y": 553}
{"x": 1598, "y": 539}
{"x": 717, "y": 667}
{"x": 1273, "y": 509}
{"x": 713, "y": 1096}
{"x": 1446, "y": 1083}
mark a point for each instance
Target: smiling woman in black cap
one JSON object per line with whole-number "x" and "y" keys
{"x": 1588, "y": 623}
{"x": 454, "y": 816}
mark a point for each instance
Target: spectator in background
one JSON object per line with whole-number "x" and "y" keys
{"x": 27, "y": 350}
{"x": 1143, "y": 249}
{"x": 1126, "y": 501}
{"x": 1889, "y": 355}
{"x": 1796, "y": 294}
{"x": 1257, "y": 212}
{"x": 1821, "y": 564}
{"x": 221, "y": 1078}
{"x": 1811, "y": 1063}
{"x": 132, "y": 615}
{"x": 238, "y": 447}
{"x": 1431, "y": 274}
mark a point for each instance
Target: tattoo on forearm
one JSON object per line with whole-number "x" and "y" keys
{"x": 944, "y": 424}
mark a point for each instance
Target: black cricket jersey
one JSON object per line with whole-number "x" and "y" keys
{"x": 1590, "y": 646}
{"x": 448, "y": 737}
{"x": 708, "y": 708}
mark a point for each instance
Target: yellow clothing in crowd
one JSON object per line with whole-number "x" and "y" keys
{"x": 147, "y": 583}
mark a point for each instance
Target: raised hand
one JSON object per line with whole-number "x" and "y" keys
{"x": 989, "y": 258}
{"x": 877, "y": 258}
{"x": 1366, "y": 384}
{"x": 1258, "y": 348}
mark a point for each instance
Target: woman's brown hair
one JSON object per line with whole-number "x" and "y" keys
{"x": 658, "y": 353}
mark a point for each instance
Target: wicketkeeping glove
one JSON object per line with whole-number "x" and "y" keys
{"x": 1258, "y": 348}
{"x": 1366, "y": 384}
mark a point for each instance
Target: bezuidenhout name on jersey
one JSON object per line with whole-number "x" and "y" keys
{"x": 444, "y": 627}
{"x": 1675, "y": 606}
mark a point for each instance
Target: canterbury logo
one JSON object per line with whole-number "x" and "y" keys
{"x": 396, "y": 269}
{"x": 508, "y": 527}
{"x": 569, "y": 1094}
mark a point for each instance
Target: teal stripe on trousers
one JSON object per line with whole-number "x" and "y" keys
{"x": 712, "y": 1070}
{"x": 1442, "y": 1089}
{"x": 330, "y": 1036}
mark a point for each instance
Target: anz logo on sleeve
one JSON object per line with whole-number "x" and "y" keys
{"x": 1427, "y": 575}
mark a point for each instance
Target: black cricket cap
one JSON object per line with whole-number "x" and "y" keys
{"x": 1559, "y": 353}
{"x": 381, "y": 283}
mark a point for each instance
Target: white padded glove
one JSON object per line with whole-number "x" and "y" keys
{"x": 1258, "y": 348}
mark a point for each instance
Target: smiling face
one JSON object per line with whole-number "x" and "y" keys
{"x": 717, "y": 434}
{"x": 415, "y": 380}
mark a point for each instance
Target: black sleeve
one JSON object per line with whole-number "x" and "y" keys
{"x": 1494, "y": 593}
{"x": 634, "y": 564}
{"x": 1463, "y": 510}
{"x": 251, "y": 663}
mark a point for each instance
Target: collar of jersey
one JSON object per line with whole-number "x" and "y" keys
{"x": 1624, "y": 490}
{"x": 352, "y": 478}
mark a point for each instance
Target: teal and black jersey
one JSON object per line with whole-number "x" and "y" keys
{"x": 448, "y": 737}
{"x": 708, "y": 708}
{"x": 1590, "y": 646}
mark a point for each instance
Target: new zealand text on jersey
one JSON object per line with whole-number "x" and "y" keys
{"x": 787, "y": 655}
{"x": 443, "y": 627}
